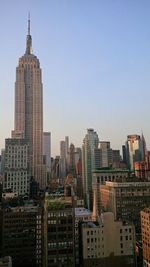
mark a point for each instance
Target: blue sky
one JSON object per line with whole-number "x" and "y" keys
{"x": 95, "y": 60}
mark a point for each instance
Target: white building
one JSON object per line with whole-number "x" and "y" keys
{"x": 16, "y": 170}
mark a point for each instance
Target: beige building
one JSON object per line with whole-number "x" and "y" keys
{"x": 108, "y": 242}
{"x": 145, "y": 229}
{"x": 29, "y": 109}
{"x": 81, "y": 215}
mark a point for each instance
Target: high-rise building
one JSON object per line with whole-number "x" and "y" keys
{"x": 64, "y": 150}
{"x": 47, "y": 150}
{"x": 134, "y": 146}
{"x": 90, "y": 143}
{"x": 29, "y": 109}
{"x": 106, "y": 154}
{"x": 62, "y": 159}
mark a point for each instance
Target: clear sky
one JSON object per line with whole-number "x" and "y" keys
{"x": 95, "y": 60}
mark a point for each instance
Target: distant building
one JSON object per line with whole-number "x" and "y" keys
{"x": 47, "y": 151}
{"x": 134, "y": 146}
{"x": 64, "y": 148}
{"x": 16, "y": 169}
{"x": 106, "y": 154}
{"x": 101, "y": 176}
{"x": 116, "y": 159}
{"x": 2, "y": 161}
{"x": 90, "y": 143}
{"x": 140, "y": 169}
{"x": 108, "y": 243}
{"x": 106, "y": 157}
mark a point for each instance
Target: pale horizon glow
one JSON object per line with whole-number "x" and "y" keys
{"x": 95, "y": 60}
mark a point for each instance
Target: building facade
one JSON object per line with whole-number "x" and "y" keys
{"x": 135, "y": 152}
{"x": 90, "y": 143}
{"x": 59, "y": 232}
{"x": 16, "y": 171}
{"x": 126, "y": 200}
{"x": 29, "y": 109}
{"x": 47, "y": 151}
{"x": 21, "y": 235}
{"x": 145, "y": 230}
{"x": 108, "y": 243}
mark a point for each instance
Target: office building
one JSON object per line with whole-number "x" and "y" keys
{"x": 29, "y": 109}
{"x": 108, "y": 242}
{"x": 16, "y": 169}
{"x": 47, "y": 151}
{"x": 64, "y": 150}
{"x": 21, "y": 235}
{"x": 135, "y": 152}
{"x": 59, "y": 232}
{"x": 106, "y": 154}
{"x": 125, "y": 200}
{"x": 90, "y": 143}
{"x": 81, "y": 215}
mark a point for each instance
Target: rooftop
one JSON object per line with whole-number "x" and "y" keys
{"x": 82, "y": 212}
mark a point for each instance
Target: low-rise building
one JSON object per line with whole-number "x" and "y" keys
{"x": 81, "y": 215}
{"x": 108, "y": 243}
{"x": 145, "y": 229}
{"x": 125, "y": 200}
{"x": 21, "y": 235}
{"x": 59, "y": 232}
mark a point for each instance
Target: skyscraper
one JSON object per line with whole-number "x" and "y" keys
{"x": 134, "y": 146}
{"x": 90, "y": 143}
{"x": 47, "y": 150}
{"x": 29, "y": 109}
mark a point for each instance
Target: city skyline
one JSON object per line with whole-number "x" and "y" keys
{"x": 95, "y": 61}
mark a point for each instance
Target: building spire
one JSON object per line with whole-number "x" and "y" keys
{"x": 28, "y": 39}
{"x": 29, "y": 23}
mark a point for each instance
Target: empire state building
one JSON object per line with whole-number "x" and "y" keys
{"x": 29, "y": 109}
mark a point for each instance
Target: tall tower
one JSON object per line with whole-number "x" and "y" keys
{"x": 90, "y": 143}
{"x": 134, "y": 147}
{"x": 29, "y": 108}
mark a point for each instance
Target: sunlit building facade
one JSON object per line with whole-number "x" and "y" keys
{"x": 29, "y": 109}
